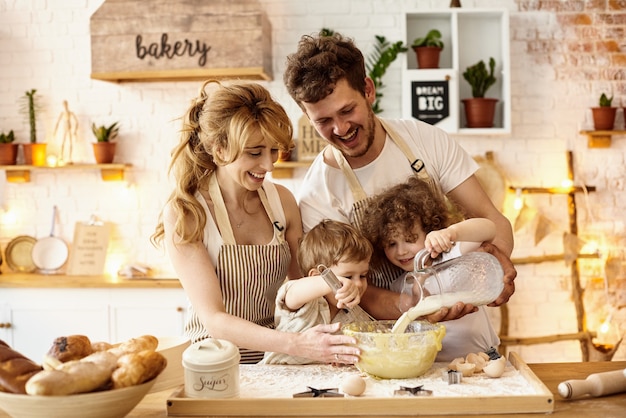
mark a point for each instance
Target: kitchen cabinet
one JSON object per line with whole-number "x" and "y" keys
{"x": 32, "y": 318}
{"x": 469, "y": 35}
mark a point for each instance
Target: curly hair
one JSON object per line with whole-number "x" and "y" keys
{"x": 313, "y": 71}
{"x": 224, "y": 120}
{"x": 331, "y": 242}
{"x": 397, "y": 210}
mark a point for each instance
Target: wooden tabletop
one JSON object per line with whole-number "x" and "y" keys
{"x": 614, "y": 406}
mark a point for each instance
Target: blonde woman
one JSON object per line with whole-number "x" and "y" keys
{"x": 232, "y": 235}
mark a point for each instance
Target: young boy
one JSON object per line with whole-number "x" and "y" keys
{"x": 410, "y": 217}
{"x": 309, "y": 301}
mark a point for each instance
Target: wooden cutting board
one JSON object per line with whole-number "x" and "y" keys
{"x": 267, "y": 391}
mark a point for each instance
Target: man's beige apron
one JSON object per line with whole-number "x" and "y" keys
{"x": 383, "y": 276}
{"x": 249, "y": 275}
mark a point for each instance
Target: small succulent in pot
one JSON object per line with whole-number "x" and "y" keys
{"x": 7, "y": 138}
{"x": 605, "y": 101}
{"x": 479, "y": 78}
{"x": 104, "y": 133}
{"x": 432, "y": 38}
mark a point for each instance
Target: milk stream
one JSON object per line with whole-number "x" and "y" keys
{"x": 429, "y": 305}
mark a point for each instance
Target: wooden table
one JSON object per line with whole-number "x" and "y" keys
{"x": 614, "y": 406}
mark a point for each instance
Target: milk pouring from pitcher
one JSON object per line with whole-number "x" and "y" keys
{"x": 474, "y": 278}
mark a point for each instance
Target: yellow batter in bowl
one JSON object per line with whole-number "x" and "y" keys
{"x": 388, "y": 355}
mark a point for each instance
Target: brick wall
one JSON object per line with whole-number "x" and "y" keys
{"x": 563, "y": 55}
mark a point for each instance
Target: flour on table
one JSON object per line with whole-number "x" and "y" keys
{"x": 282, "y": 381}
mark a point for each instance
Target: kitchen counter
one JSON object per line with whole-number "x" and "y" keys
{"x": 551, "y": 374}
{"x": 34, "y": 281}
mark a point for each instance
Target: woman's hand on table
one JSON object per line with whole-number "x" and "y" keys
{"x": 320, "y": 343}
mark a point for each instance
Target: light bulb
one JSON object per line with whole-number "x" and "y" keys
{"x": 607, "y": 336}
{"x": 518, "y": 203}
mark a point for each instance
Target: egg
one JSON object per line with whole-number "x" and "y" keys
{"x": 353, "y": 385}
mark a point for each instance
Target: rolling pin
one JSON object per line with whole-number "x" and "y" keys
{"x": 596, "y": 384}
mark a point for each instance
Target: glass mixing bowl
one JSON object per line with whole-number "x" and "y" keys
{"x": 396, "y": 356}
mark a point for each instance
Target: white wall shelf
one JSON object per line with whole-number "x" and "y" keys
{"x": 469, "y": 35}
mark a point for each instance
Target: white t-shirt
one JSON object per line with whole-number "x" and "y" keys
{"x": 325, "y": 194}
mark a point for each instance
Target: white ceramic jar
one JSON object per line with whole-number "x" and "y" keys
{"x": 211, "y": 369}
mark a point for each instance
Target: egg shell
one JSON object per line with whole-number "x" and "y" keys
{"x": 466, "y": 368}
{"x": 477, "y": 360}
{"x": 453, "y": 364}
{"x": 353, "y": 385}
{"x": 495, "y": 368}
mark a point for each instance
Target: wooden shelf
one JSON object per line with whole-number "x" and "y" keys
{"x": 39, "y": 281}
{"x": 601, "y": 139}
{"x": 284, "y": 169}
{"x": 21, "y": 173}
{"x": 584, "y": 336}
{"x": 553, "y": 190}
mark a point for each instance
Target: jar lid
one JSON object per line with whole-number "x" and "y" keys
{"x": 210, "y": 352}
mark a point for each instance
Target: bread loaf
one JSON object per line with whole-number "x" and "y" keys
{"x": 101, "y": 346}
{"x": 15, "y": 369}
{"x": 135, "y": 345}
{"x": 72, "y": 347}
{"x": 74, "y": 376}
{"x": 137, "y": 368}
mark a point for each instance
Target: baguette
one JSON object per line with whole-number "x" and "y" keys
{"x": 74, "y": 376}
{"x": 15, "y": 370}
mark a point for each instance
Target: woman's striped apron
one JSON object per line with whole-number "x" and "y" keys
{"x": 249, "y": 275}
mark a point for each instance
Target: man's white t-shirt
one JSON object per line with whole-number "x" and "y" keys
{"x": 325, "y": 193}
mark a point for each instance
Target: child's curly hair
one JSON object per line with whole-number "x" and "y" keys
{"x": 397, "y": 210}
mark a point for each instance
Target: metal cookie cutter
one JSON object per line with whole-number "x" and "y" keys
{"x": 319, "y": 393}
{"x": 454, "y": 377}
{"x": 413, "y": 391}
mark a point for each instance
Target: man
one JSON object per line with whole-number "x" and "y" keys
{"x": 326, "y": 76}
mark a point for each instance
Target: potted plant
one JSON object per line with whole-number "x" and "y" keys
{"x": 104, "y": 147}
{"x": 480, "y": 110}
{"x": 34, "y": 153}
{"x": 8, "y": 150}
{"x": 427, "y": 49}
{"x": 604, "y": 114}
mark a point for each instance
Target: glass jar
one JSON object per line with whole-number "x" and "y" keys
{"x": 473, "y": 278}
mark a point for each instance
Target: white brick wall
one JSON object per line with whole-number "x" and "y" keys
{"x": 46, "y": 46}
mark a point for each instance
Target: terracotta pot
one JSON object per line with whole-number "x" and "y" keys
{"x": 427, "y": 56}
{"x": 603, "y": 118}
{"x": 104, "y": 152}
{"x": 34, "y": 154}
{"x": 479, "y": 112}
{"x": 8, "y": 154}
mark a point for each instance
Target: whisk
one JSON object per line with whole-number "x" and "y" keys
{"x": 356, "y": 313}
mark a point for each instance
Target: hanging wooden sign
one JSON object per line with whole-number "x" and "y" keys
{"x": 157, "y": 40}
{"x": 310, "y": 143}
